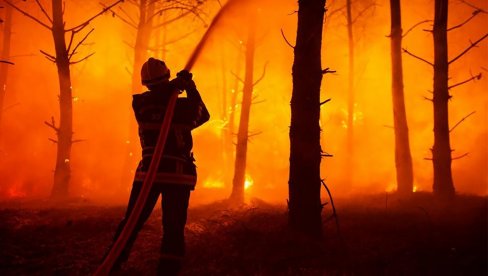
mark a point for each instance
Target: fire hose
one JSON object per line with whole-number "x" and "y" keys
{"x": 119, "y": 244}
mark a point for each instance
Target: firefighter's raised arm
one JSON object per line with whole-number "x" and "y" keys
{"x": 195, "y": 112}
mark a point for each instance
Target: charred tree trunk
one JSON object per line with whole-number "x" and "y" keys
{"x": 7, "y": 34}
{"x": 350, "y": 98}
{"x": 305, "y": 153}
{"x": 441, "y": 152}
{"x": 403, "y": 158}
{"x": 62, "y": 172}
{"x": 146, "y": 9}
{"x": 238, "y": 182}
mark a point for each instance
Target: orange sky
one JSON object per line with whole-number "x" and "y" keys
{"x": 102, "y": 96}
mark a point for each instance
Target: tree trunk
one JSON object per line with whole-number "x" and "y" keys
{"x": 7, "y": 34}
{"x": 441, "y": 152}
{"x": 403, "y": 159}
{"x": 62, "y": 172}
{"x": 146, "y": 9}
{"x": 237, "y": 195}
{"x": 305, "y": 154}
{"x": 350, "y": 100}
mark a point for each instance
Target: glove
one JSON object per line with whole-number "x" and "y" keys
{"x": 186, "y": 76}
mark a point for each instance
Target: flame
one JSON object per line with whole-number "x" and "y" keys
{"x": 14, "y": 192}
{"x": 390, "y": 188}
{"x": 357, "y": 116}
{"x": 248, "y": 182}
{"x": 213, "y": 184}
{"x": 415, "y": 188}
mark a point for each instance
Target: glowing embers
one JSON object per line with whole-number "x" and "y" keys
{"x": 357, "y": 116}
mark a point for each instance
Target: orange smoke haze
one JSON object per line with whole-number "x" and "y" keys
{"x": 102, "y": 100}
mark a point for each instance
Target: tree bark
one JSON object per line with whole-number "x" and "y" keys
{"x": 62, "y": 172}
{"x": 403, "y": 158}
{"x": 350, "y": 99}
{"x": 238, "y": 182}
{"x": 305, "y": 153}
{"x": 441, "y": 151}
{"x": 7, "y": 34}
{"x": 143, "y": 34}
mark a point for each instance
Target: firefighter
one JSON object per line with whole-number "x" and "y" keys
{"x": 176, "y": 175}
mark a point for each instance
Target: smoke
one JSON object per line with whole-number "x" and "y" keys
{"x": 102, "y": 101}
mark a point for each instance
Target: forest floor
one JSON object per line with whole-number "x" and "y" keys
{"x": 378, "y": 235}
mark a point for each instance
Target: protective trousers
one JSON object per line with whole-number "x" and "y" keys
{"x": 174, "y": 206}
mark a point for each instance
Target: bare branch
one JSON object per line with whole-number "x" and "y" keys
{"x": 325, "y": 154}
{"x": 193, "y": 10}
{"x": 70, "y": 41}
{"x": 132, "y": 20}
{"x": 44, "y": 11}
{"x": 428, "y": 99}
{"x": 262, "y": 75}
{"x": 461, "y": 156}
{"x": 473, "y": 6}
{"x": 326, "y": 101}
{"x": 469, "y": 48}
{"x": 52, "y": 140}
{"x": 179, "y": 38}
{"x": 417, "y": 57}
{"x": 28, "y": 15}
{"x": 48, "y": 55}
{"x": 414, "y": 26}
{"x": 78, "y": 141}
{"x": 86, "y": 22}
{"x": 464, "y": 118}
{"x": 254, "y": 134}
{"x": 169, "y": 21}
{"x": 286, "y": 40}
{"x": 328, "y": 71}
{"x": 477, "y": 77}
{"x": 131, "y": 23}
{"x": 79, "y": 43}
{"x": 237, "y": 77}
{"x": 475, "y": 13}
{"x": 52, "y": 124}
{"x": 83, "y": 59}
{"x": 6, "y": 61}
{"x": 360, "y": 14}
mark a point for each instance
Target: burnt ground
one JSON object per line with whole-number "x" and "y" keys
{"x": 379, "y": 235}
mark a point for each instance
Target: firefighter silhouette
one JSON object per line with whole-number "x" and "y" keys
{"x": 176, "y": 176}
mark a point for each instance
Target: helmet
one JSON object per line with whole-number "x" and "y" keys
{"x": 154, "y": 71}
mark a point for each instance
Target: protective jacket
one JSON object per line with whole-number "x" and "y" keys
{"x": 177, "y": 163}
